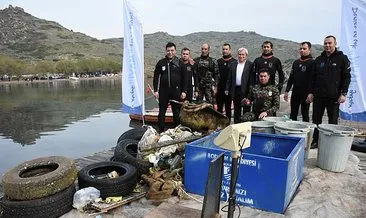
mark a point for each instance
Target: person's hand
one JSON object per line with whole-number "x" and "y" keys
{"x": 214, "y": 90}
{"x": 156, "y": 94}
{"x": 341, "y": 99}
{"x": 263, "y": 115}
{"x": 285, "y": 96}
{"x": 183, "y": 95}
{"x": 226, "y": 92}
{"x": 196, "y": 94}
{"x": 310, "y": 98}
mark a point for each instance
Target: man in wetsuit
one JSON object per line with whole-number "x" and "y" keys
{"x": 300, "y": 77}
{"x": 224, "y": 66}
{"x": 169, "y": 84}
{"x": 270, "y": 62}
{"x": 189, "y": 65}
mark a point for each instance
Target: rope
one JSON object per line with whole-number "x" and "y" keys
{"x": 190, "y": 195}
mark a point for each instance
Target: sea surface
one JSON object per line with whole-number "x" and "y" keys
{"x": 59, "y": 117}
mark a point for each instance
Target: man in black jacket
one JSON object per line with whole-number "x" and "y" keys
{"x": 170, "y": 83}
{"x": 270, "y": 62}
{"x": 238, "y": 82}
{"x": 329, "y": 84}
{"x": 300, "y": 77}
{"x": 224, "y": 65}
{"x": 190, "y": 72}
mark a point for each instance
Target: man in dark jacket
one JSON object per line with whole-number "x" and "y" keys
{"x": 330, "y": 82}
{"x": 238, "y": 82}
{"x": 300, "y": 77}
{"x": 207, "y": 73}
{"x": 169, "y": 84}
{"x": 270, "y": 62}
{"x": 189, "y": 68}
{"x": 224, "y": 65}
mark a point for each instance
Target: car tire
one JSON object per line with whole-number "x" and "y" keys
{"x": 39, "y": 178}
{"x": 50, "y": 206}
{"x": 126, "y": 151}
{"x": 359, "y": 145}
{"x": 135, "y": 134}
{"x": 120, "y": 186}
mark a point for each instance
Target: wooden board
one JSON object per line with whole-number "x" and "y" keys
{"x": 104, "y": 207}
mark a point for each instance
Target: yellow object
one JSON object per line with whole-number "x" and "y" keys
{"x": 113, "y": 175}
{"x": 113, "y": 199}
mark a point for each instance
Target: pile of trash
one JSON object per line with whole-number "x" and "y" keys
{"x": 165, "y": 152}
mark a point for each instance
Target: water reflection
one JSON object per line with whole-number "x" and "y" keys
{"x": 29, "y": 109}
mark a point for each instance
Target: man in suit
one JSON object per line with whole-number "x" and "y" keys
{"x": 238, "y": 82}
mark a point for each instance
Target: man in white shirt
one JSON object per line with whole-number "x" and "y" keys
{"x": 238, "y": 82}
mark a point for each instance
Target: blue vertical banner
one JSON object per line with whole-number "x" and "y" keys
{"x": 133, "y": 62}
{"x": 353, "y": 44}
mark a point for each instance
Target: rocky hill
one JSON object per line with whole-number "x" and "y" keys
{"x": 27, "y": 37}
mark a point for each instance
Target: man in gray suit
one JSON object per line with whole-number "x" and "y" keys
{"x": 238, "y": 82}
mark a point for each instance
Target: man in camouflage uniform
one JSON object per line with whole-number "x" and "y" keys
{"x": 264, "y": 97}
{"x": 207, "y": 75}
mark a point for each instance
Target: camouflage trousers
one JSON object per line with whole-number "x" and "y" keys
{"x": 207, "y": 93}
{"x": 249, "y": 116}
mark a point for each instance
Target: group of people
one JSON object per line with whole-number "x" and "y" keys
{"x": 251, "y": 86}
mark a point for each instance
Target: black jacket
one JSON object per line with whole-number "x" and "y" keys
{"x": 231, "y": 82}
{"x": 190, "y": 74}
{"x": 300, "y": 76}
{"x": 332, "y": 75}
{"x": 170, "y": 75}
{"x": 273, "y": 65}
{"x": 224, "y": 66}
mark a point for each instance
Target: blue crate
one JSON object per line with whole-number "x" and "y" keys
{"x": 270, "y": 170}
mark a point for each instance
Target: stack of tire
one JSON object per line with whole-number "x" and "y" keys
{"x": 96, "y": 175}
{"x": 126, "y": 150}
{"x": 125, "y": 162}
{"x": 42, "y": 187}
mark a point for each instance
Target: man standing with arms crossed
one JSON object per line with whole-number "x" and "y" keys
{"x": 169, "y": 84}
{"x": 329, "y": 85}
{"x": 300, "y": 78}
{"x": 224, "y": 65}
{"x": 270, "y": 62}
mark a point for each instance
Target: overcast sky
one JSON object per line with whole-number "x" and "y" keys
{"x": 294, "y": 20}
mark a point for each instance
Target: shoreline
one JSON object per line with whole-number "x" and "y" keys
{"x": 119, "y": 76}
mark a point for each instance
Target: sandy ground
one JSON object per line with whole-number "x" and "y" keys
{"x": 320, "y": 194}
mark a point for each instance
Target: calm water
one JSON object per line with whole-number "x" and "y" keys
{"x": 67, "y": 118}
